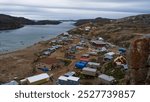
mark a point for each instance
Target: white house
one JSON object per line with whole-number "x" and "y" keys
{"x": 38, "y": 79}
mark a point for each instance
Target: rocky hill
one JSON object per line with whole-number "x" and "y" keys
{"x": 118, "y": 31}
{"x": 9, "y": 22}
{"x": 97, "y": 20}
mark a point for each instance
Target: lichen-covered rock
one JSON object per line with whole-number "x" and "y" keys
{"x": 138, "y": 56}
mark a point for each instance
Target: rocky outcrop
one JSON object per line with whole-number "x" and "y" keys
{"x": 138, "y": 61}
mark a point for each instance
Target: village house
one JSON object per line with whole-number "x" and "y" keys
{"x": 98, "y": 43}
{"x": 69, "y": 74}
{"x": 70, "y": 80}
{"x": 89, "y": 71}
{"x": 80, "y": 64}
{"x": 87, "y": 28}
{"x": 38, "y": 79}
{"x": 93, "y": 53}
{"x": 85, "y": 57}
{"x": 105, "y": 79}
{"x": 50, "y": 63}
{"x": 93, "y": 65}
{"x": 66, "y": 34}
{"x": 109, "y": 56}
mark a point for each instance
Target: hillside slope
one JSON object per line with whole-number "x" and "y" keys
{"x": 131, "y": 32}
{"x": 118, "y": 31}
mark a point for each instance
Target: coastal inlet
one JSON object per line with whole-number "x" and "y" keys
{"x": 12, "y": 40}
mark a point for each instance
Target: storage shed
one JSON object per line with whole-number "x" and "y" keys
{"x": 89, "y": 71}
{"x": 80, "y": 64}
{"x": 38, "y": 79}
{"x": 105, "y": 79}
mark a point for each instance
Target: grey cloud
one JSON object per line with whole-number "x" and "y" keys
{"x": 92, "y": 9}
{"x": 143, "y": 8}
{"x": 114, "y": 0}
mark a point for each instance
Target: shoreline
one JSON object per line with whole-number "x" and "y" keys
{"x": 5, "y": 29}
{"x": 31, "y": 45}
{"x": 19, "y": 63}
{"x": 25, "y": 48}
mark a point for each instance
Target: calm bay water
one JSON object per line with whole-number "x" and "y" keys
{"x": 12, "y": 40}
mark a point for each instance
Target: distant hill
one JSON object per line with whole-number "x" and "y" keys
{"x": 118, "y": 31}
{"x": 9, "y": 22}
{"x": 100, "y": 20}
{"x": 43, "y": 22}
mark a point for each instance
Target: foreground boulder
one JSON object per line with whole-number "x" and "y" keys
{"x": 138, "y": 60}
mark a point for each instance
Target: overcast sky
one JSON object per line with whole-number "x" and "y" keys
{"x": 73, "y": 9}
